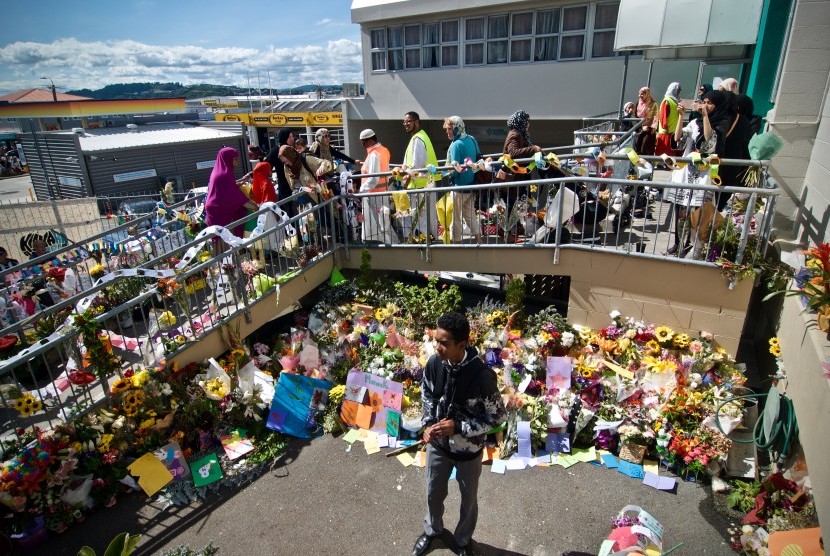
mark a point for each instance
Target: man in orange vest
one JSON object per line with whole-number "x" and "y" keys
{"x": 377, "y": 225}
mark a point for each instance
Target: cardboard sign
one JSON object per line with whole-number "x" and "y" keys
{"x": 381, "y": 410}
{"x": 171, "y": 456}
{"x": 297, "y": 400}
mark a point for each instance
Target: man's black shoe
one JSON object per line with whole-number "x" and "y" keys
{"x": 463, "y": 551}
{"x": 421, "y": 545}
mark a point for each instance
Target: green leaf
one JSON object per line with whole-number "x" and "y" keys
{"x": 86, "y": 551}
{"x": 122, "y": 545}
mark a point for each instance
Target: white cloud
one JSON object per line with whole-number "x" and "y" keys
{"x": 328, "y": 22}
{"x": 73, "y": 64}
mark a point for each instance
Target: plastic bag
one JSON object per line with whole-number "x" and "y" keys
{"x": 215, "y": 371}
{"x": 77, "y": 492}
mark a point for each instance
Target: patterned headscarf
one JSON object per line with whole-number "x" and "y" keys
{"x": 459, "y": 130}
{"x": 519, "y": 121}
{"x": 319, "y": 148}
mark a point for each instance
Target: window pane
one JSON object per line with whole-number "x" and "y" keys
{"x": 449, "y": 31}
{"x": 547, "y": 48}
{"x": 520, "y": 51}
{"x": 497, "y": 27}
{"x": 572, "y": 46}
{"x": 474, "y": 53}
{"x": 413, "y": 58}
{"x": 378, "y": 61}
{"x": 603, "y": 44}
{"x": 475, "y": 29}
{"x": 412, "y": 35}
{"x": 431, "y": 33}
{"x": 573, "y": 19}
{"x": 522, "y": 24}
{"x": 394, "y": 37}
{"x": 430, "y": 56}
{"x": 378, "y": 38}
{"x": 606, "y": 16}
{"x": 497, "y": 52}
{"x": 449, "y": 55}
{"x": 547, "y": 22}
{"x": 395, "y": 60}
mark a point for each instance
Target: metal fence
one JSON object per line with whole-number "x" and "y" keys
{"x": 153, "y": 302}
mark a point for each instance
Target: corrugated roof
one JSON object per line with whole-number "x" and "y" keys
{"x": 38, "y": 95}
{"x": 122, "y": 138}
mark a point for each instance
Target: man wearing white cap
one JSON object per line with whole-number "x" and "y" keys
{"x": 377, "y": 226}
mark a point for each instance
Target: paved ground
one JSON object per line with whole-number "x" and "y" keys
{"x": 320, "y": 499}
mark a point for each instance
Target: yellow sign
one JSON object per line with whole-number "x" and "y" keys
{"x": 213, "y": 103}
{"x": 281, "y": 119}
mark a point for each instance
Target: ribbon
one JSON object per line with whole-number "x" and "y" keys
{"x": 714, "y": 167}
{"x": 670, "y": 162}
{"x": 632, "y": 155}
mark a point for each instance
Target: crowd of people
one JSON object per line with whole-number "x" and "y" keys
{"x": 10, "y": 163}
{"x": 721, "y": 124}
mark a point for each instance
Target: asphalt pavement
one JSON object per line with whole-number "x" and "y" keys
{"x": 322, "y": 499}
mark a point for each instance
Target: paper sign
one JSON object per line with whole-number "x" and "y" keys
{"x": 371, "y": 446}
{"x": 542, "y": 458}
{"x": 488, "y": 453}
{"x": 420, "y": 459}
{"x": 499, "y": 466}
{"x": 406, "y": 459}
{"x": 651, "y": 466}
{"x": 152, "y": 474}
{"x": 610, "y": 461}
{"x": 236, "y": 445}
{"x": 364, "y": 416}
{"x": 625, "y": 373}
{"x": 516, "y": 464}
{"x": 383, "y": 441}
{"x": 393, "y": 422}
{"x": 558, "y": 442}
{"x": 392, "y": 399}
{"x": 171, "y": 456}
{"x": 291, "y": 409}
{"x": 803, "y": 541}
{"x": 525, "y": 450}
{"x": 660, "y": 483}
{"x": 585, "y": 456}
{"x": 351, "y": 436}
{"x": 348, "y": 412}
{"x": 555, "y": 419}
{"x": 558, "y": 372}
{"x": 633, "y": 470}
{"x": 206, "y": 470}
{"x": 565, "y": 460}
{"x": 386, "y": 407}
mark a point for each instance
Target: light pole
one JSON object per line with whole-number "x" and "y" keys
{"x": 54, "y": 92}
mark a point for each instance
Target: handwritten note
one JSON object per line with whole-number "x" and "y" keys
{"x": 406, "y": 459}
{"x": 499, "y": 466}
{"x": 351, "y": 436}
{"x": 558, "y": 372}
{"x": 525, "y": 449}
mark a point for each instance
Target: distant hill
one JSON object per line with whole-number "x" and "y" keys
{"x": 123, "y": 91}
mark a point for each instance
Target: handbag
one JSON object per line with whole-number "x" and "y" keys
{"x": 505, "y": 176}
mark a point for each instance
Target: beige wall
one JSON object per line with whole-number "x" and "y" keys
{"x": 685, "y": 296}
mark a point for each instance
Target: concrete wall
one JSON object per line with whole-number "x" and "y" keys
{"x": 802, "y": 117}
{"x": 687, "y": 297}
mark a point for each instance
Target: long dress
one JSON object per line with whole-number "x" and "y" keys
{"x": 225, "y": 202}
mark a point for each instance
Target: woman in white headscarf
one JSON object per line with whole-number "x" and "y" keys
{"x": 667, "y": 120}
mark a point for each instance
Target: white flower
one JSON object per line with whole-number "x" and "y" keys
{"x": 747, "y": 529}
{"x": 615, "y": 314}
{"x": 567, "y": 339}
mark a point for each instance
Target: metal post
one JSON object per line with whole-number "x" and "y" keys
{"x": 650, "y": 67}
{"x": 622, "y": 88}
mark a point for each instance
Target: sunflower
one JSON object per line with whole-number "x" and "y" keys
{"x": 121, "y": 385}
{"x": 682, "y": 341}
{"x": 130, "y": 411}
{"x": 774, "y": 347}
{"x": 134, "y": 398}
{"x": 585, "y": 371}
{"x": 653, "y": 347}
{"x": 27, "y": 405}
{"x": 663, "y": 334}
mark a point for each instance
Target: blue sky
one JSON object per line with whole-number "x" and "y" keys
{"x": 93, "y": 43}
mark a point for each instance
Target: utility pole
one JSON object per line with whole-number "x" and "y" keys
{"x": 54, "y": 92}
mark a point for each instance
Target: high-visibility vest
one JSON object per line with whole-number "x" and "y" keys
{"x": 420, "y": 181}
{"x": 667, "y": 122}
{"x": 384, "y": 155}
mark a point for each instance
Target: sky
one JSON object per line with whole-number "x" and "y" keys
{"x": 93, "y": 43}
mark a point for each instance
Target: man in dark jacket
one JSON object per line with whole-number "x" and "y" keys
{"x": 461, "y": 403}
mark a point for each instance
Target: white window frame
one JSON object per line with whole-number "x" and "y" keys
{"x": 538, "y": 35}
{"x": 377, "y": 50}
{"x": 450, "y": 43}
{"x": 477, "y": 41}
{"x": 436, "y": 45}
{"x": 529, "y": 37}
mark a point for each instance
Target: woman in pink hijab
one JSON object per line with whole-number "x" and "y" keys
{"x": 647, "y": 110}
{"x": 225, "y": 202}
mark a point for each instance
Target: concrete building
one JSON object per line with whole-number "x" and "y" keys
{"x": 485, "y": 59}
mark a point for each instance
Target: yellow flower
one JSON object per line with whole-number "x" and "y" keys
{"x": 134, "y": 398}
{"x": 585, "y": 371}
{"x": 147, "y": 423}
{"x": 121, "y": 385}
{"x": 775, "y": 350}
{"x": 139, "y": 378}
{"x": 77, "y": 446}
{"x": 97, "y": 271}
{"x": 663, "y": 334}
{"x": 682, "y": 341}
{"x": 167, "y": 319}
{"x": 130, "y": 411}
{"x": 27, "y": 405}
{"x": 104, "y": 444}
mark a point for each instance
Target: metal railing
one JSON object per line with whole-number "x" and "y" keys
{"x": 179, "y": 295}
